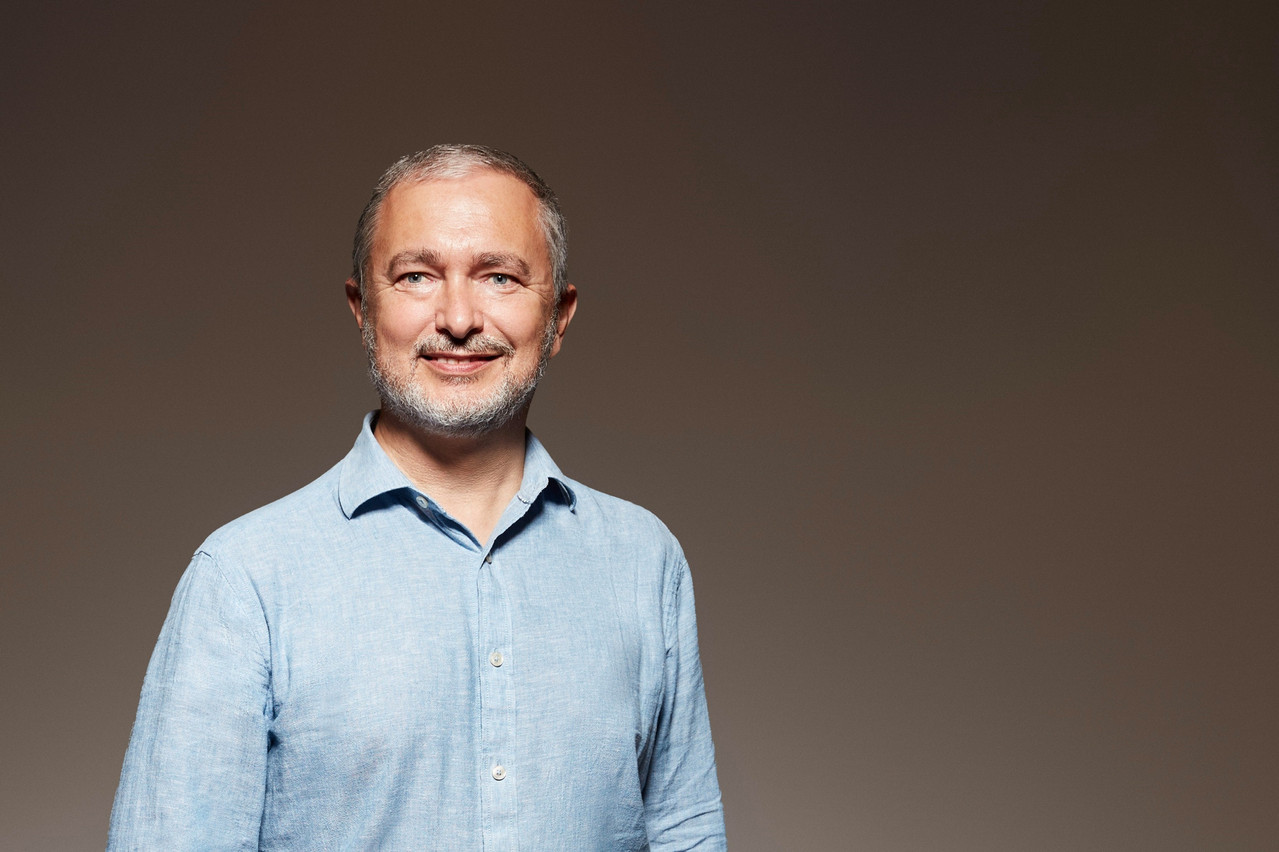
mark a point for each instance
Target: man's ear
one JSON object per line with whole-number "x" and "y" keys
{"x": 567, "y": 307}
{"x": 355, "y": 301}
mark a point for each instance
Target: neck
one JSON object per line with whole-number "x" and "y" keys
{"x": 473, "y": 479}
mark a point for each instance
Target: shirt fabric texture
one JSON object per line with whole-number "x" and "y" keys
{"x": 349, "y": 668}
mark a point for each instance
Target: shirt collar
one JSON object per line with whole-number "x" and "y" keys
{"x": 540, "y": 471}
{"x": 368, "y": 472}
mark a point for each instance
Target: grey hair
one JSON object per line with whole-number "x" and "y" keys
{"x": 455, "y": 161}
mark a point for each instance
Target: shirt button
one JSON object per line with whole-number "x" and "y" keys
{"x": 499, "y": 772}
{"x": 495, "y": 658}
{"x": 423, "y": 502}
{"x": 488, "y": 557}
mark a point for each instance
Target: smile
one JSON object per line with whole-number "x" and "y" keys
{"x": 449, "y": 359}
{"x": 458, "y": 363}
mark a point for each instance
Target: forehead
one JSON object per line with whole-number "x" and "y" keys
{"x": 482, "y": 211}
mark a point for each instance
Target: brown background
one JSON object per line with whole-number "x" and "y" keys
{"x": 942, "y": 334}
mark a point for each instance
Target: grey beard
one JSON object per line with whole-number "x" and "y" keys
{"x": 458, "y": 419}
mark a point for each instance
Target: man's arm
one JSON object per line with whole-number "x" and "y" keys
{"x": 195, "y": 773}
{"x": 681, "y": 794}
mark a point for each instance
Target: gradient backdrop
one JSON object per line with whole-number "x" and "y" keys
{"x": 942, "y": 334}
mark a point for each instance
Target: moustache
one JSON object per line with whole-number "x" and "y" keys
{"x": 439, "y": 344}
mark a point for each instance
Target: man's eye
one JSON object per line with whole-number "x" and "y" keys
{"x": 415, "y": 278}
{"x": 499, "y": 279}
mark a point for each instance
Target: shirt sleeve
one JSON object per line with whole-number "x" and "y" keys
{"x": 194, "y": 775}
{"x": 681, "y": 794}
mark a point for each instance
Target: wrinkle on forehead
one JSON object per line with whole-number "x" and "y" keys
{"x": 453, "y": 212}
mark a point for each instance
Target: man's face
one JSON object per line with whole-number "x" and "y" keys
{"x": 459, "y": 315}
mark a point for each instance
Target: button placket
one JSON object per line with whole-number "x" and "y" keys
{"x": 498, "y": 800}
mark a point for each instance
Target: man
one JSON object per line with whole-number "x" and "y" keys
{"x": 443, "y": 642}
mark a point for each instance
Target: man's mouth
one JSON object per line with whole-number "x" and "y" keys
{"x": 470, "y": 357}
{"x": 452, "y": 363}
{"x": 458, "y": 358}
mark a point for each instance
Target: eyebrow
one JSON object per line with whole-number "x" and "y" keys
{"x": 410, "y": 257}
{"x": 504, "y": 259}
{"x": 428, "y": 257}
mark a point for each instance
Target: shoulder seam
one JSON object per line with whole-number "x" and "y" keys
{"x": 248, "y": 609}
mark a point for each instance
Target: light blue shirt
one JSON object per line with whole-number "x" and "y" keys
{"x": 349, "y": 668}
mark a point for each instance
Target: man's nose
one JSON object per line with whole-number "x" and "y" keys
{"x": 457, "y": 313}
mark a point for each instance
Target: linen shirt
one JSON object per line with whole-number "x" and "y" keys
{"x": 349, "y": 668}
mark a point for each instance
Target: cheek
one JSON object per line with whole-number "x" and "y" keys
{"x": 524, "y": 328}
{"x": 397, "y": 329}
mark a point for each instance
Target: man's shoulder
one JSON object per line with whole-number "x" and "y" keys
{"x": 628, "y": 523}
{"x": 299, "y": 515}
{"x": 609, "y": 505}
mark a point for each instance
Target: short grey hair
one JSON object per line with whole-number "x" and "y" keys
{"x": 455, "y": 161}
